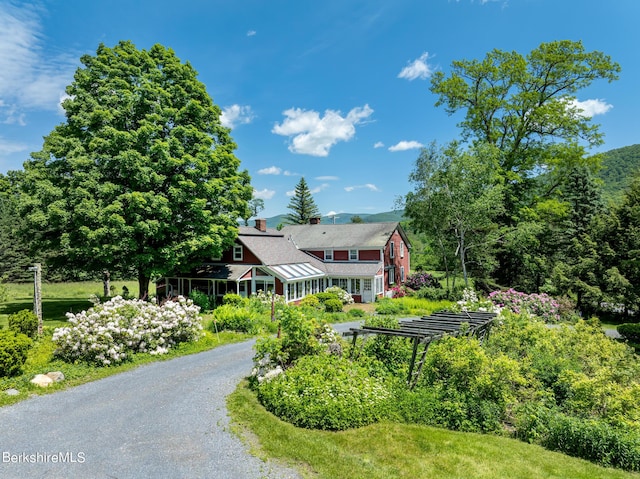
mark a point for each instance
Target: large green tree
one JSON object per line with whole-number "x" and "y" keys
{"x": 527, "y": 107}
{"x": 457, "y": 195}
{"x": 302, "y": 205}
{"x": 141, "y": 178}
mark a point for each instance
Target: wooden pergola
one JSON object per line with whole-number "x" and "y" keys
{"x": 427, "y": 329}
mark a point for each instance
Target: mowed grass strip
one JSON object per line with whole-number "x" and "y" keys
{"x": 392, "y": 450}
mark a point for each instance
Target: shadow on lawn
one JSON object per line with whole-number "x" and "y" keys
{"x": 53, "y": 310}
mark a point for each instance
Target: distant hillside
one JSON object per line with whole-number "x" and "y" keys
{"x": 342, "y": 218}
{"x": 618, "y": 169}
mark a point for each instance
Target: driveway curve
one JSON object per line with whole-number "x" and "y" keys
{"x": 162, "y": 420}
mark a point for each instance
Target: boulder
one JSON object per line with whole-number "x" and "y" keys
{"x": 42, "y": 380}
{"x": 12, "y": 392}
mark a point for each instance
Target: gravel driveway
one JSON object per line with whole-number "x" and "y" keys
{"x": 162, "y": 420}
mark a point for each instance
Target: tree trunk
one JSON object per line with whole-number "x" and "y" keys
{"x": 463, "y": 262}
{"x": 143, "y": 285}
{"x": 106, "y": 276}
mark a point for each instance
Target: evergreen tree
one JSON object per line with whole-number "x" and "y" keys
{"x": 302, "y": 205}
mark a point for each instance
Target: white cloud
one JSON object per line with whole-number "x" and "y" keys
{"x": 418, "y": 68}
{"x": 264, "y": 194}
{"x": 591, "y": 108}
{"x": 331, "y": 213}
{"x": 406, "y": 145}
{"x": 378, "y": 144}
{"x": 290, "y": 193}
{"x": 327, "y": 178}
{"x": 290, "y": 173}
{"x": 235, "y": 115}
{"x": 369, "y": 186}
{"x": 9, "y": 147}
{"x": 319, "y": 188}
{"x": 31, "y": 78}
{"x": 251, "y": 33}
{"x": 272, "y": 170}
{"x": 314, "y": 135}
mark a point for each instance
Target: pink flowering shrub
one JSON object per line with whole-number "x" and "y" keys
{"x": 541, "y": 305}
{"x": 421, "y": 280}
{"x": 398, "y": 292}
{"x": 110, "y": 333}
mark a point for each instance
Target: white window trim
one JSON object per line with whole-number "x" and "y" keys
{"x": 392, "y": 248}
{"x": 353, "y": 252}
{"x": 328, "y": 255}
{"x": 238, "y": 252}
{"x": 402, "y": 249}
{"x": 402, "y": 274}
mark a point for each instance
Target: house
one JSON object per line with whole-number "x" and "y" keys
{"x": 365, "y": 259}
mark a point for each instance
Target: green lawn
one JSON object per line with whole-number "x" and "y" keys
{"x": 390, "y": 450}
{"x": 58, "y": 299}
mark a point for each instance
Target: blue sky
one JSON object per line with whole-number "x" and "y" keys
{"x": 336, "y": 91}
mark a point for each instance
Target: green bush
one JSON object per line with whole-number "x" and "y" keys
{"x": 311, "y": 301}
{"x": 13, "y": 352}
{"x": 393, "y": 352}
{"x": 333, "y": 306}
{"x": 326, "y": 392}
{"x": 232, "y": 318}
{"x": 325, "y": 296}
{"x": 595, "y": 441}
{"x": 25, "y": 322}
{"x": 389, "y": 306}
{"x": 356, "y": 313}
{"x": 200, "y": 299}
{"x": 630, "y": 331}
{"x": 234, "y": 300}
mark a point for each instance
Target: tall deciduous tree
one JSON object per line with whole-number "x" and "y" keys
{"x": 526, "y": 106}
{"x": 141, "y": 178}
{"x": 302, "y": 206}
{"x": 456, "y": 196}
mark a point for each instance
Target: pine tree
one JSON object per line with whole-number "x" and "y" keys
{"x": 302, "y": 205}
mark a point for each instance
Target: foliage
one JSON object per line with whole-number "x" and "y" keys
{"x": 422, "y": 280}
{"x": 393, "y": 353}
{"x": 630, "y": 331}
{"x": 111, "y": 332}
{"x": 234, "y": 299}
{"x": 200, "y": 299}
{"x": 595, "y": 441}
{"x": 302, "y": 206}
{"x": 25, "y": 322}
{"x": 389, "y": 306}
{"x": 356, "y": 313}
{"x": 234, "y": 318}
{"x": 541, "y": 305}
{"x": 325, "y": 392}
{"x": 471, "y": 302}
{"x": 326, "y": 296}
{"x": 312, "y": 301}
{"x": 398, "y": 292}
{"x": 13, "y": 352}
{"x": 619, "y": 167}
{"x": 141, "y": 178}
{"x": 342, "y": 295}
{"x": 333, "y": 305}
{"x": 456, "y": 197}
{"x": 473, "y": 390}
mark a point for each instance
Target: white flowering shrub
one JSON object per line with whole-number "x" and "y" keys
{"x": 110, "y": 333}
{"x": 471, "y": 302}
{"x": 342, "y": 295}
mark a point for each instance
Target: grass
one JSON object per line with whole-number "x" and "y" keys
{"x": 58, "y": 299}
{"x": 399, "y": 450}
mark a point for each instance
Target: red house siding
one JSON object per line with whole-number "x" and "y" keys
{"x": 340, "y": 255}
{"x": 317, "y": 254}
{"x": 394, "y": 262}
{"x": 247, "y": 257}
{"x": 369, "y": 255}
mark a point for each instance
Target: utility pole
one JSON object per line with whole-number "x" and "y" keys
{"x": 37, "y": 294}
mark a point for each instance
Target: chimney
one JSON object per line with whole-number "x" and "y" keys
{"x": 261, "y": 224}
{"x": 315, "y": 220}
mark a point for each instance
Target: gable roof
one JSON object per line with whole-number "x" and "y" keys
{"x": 350, "y": 235}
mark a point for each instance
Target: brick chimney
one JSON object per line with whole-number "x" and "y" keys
{"x": 261, "y": 224}
{"x": 315, "y": 220}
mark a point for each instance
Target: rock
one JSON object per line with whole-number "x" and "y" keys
{"x": 57, "y": 376}
{"x": 42, "y": 380}
{"x": 12, "y": 392}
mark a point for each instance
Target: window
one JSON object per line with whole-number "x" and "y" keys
{"x": 402, "y": 274}
{"x": 392, "y": 275}
{"x": 379, "y": 282}
{"x": 355, "y": 286}
{"x": 392, "y": 248}
{"x": 353, "y": 255}
{"x": 402, "y": 249}
{"x": 328, "y": 255}
{"x": 367, "y": 284}
{"x": 237, "y": 252}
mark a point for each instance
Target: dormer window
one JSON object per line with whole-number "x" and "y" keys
{"x": 353, "y": 255}
{"x": 328, "y": 255}
{"x": 237, "y": 252}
